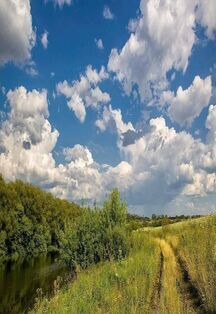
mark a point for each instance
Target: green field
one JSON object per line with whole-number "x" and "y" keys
{"x": 170, "y": 269}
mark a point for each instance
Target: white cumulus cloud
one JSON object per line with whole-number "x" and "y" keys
{"x": 84, "y": 92}
{"x": 158, "y": 164}
{"x": 17, "y": 36}
{"x": 27, "y": 142}
{"x": 187, "y": 104}
{"x": 27, "y": 138}
{"x": 112, "y": 119}
{"x": 161, "y": 164}
{"x": 206, "y": 16}
{"x": 161, "y": 39}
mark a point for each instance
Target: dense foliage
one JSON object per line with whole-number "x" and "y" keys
{"x": 99, "y": 235}
{"x": 31, "y": 220}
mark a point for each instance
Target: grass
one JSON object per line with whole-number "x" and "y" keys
{"x": 115, "y": 287}
{"x": 196, "y": 244}
{"x": 172, "y": 300}
{"x": 151, "y": 279}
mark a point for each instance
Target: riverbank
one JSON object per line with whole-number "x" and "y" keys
{"x": 98, "y": 235}
{"x": 19, "y": 282}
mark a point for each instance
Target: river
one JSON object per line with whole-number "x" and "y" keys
{"x": 19, "y": 282}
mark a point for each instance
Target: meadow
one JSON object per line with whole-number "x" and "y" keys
{"x": 170, "y": 269}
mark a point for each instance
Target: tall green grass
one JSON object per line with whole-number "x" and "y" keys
{"x": 113, "y": 287}
{"x": 129, "y": 285}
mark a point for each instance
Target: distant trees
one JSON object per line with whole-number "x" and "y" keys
{"x": 159, "y": 220}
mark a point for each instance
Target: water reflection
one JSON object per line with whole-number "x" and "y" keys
{"x": 19, "y": 282}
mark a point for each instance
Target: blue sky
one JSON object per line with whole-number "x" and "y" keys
{"x": 135, "y": 111}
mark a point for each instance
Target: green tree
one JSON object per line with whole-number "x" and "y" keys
{"x": 98, "y": 235}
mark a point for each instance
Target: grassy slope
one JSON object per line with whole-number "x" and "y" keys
{"x": 149, "y": 281}
{"x": 116, "y": 287}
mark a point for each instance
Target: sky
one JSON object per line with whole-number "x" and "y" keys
{"x": 100, "y": 94}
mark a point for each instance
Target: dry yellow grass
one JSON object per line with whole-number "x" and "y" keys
{"x": 172, "y": 300}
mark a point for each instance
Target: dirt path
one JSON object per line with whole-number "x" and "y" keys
{"x": 174, "y": 292}
{"x": 188, "y": 289}
{"x": 156, "y": 293}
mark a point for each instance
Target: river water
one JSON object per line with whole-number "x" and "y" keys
{"x": 20, "y": 281}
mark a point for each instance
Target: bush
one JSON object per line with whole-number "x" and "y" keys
{"x": 98, "y": 235}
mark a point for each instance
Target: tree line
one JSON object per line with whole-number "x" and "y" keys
{"x": 33, "y": 221}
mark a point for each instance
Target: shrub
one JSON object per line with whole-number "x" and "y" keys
{"x": 98, "y": 235}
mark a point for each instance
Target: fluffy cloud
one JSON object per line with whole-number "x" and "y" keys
{"x": 206, "y": 16}
{"x": 44, "y": 40}
{"x": 107, "y": 14}
{"x": 28, "y": 112}
{"x": 16, "y": 36}
{"x": 112, "y": 119}
{"x": 161, "y": 164}
{"x": 161, "y": 173}
{"x": 84, "y": 92}
{"x": 120, "y": 176}
{"x": 78, "y": 153}
{"x": 27, "y": 138}
{"x": 27, "y": 141}
{"x": 158, "y": 166}
{"x": 187, "y": 104}
{"x": 161, "y": 39}
{"x": 81, "y": 175}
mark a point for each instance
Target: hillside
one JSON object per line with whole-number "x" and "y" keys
{"x": 170, "y": 269}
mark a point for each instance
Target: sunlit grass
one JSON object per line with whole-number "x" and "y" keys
{"x": 172, "y": 301}
{"x": 127, "y": 286}
{"x": 115, "y": 287}
{"x": 195, "y": 242}
{"x": 197, "y": 246}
